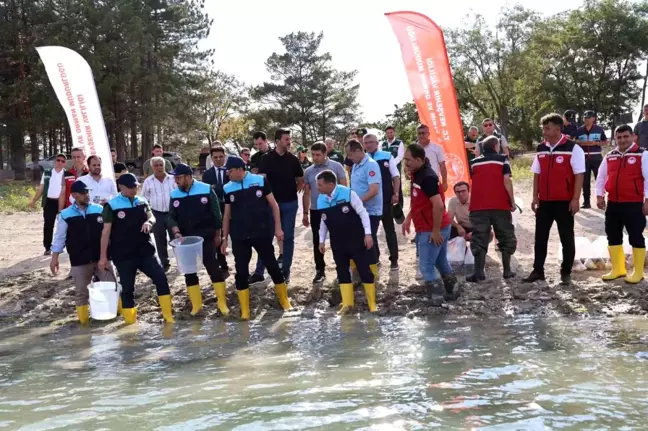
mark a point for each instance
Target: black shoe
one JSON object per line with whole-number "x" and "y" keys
{"x": 319, "y": 277}
{"x": 48, "y": 252}
{"x": 450, "y": 282}
{"x": 506, "y": 266}
{"x": 435, "y": 292}
{"x": 534, "y": 276}
{"x": 256, "y": 278}
{"x": 565, "y": 280}
{"x": 586, "y": 205}
{"x": 393, "y": 266}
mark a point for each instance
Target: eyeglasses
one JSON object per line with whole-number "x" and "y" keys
{"x": 60, "y": 161}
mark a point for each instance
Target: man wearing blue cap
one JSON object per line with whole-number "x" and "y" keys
{"x": 128, "y": 221}
{"x": 79, "y": 230}
{"x": 195, "y": 211}
{"x": 248, "y": 203}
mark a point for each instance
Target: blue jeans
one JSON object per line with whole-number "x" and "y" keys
{"x": 288, "y": 214}
{"x": 431, "y": 255}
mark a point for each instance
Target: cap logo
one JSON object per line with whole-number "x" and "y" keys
{"x": 176, "y": 204}
{"x": 203, "y": 200}
{"x": 345, "y": 209}
{"x": 99, "y": 219}
{"x": 372, "y": 174}
{"x": 231, "y": 198}
{"x": 121, "y": 214}
{"x": 632, "y": 160}
{"x": 560, "y": 159}
{"x": 259, "y": 193}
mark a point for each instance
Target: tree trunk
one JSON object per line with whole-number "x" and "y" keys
{"x": 133, "y": 135}
{"x": 68, "y": 138}
{"x": 50, "y": 138}
{"x": 35, "y": 150}
{"x": 17, "y": 149}
{"x": 504, "y": 120}
{"x": 120, "y": 140}
{"x": 1, "y": 153}
{"x": 643, "y": 93}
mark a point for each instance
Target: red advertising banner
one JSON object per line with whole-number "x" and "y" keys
{"x": 428, "y": 70}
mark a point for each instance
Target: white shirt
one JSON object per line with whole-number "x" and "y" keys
{"x": 55, "y": 184}
{"x": 603, "y": 173}
{"x": 104, "y": 189}
{"x": 393, "y": 168}
{"x": 158, "y": 193}
{"x": 434, "y": 153}
{"x": 577, "y": 159}
{"x": 359, "y": 208}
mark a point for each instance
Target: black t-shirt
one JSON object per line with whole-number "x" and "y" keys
{"x": 281, "y": 171}
{"x": 430, "y": 185}
{"x": 119, "y": 167}
{"x": 255, "y": 160}
{"x": 571, "y": 130}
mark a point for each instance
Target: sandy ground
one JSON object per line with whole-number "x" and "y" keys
{"x": 30, "y": 295}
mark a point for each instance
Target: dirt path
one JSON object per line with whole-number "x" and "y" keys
{"x": 29, "y": 294}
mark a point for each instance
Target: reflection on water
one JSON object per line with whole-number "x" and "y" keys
{"x": 336, "y": 374}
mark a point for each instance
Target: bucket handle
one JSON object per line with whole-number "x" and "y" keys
{"x": 114, "y": 279}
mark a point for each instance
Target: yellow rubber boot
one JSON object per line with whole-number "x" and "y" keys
{"x": 167, "y": 308}
{"x": 353, "y": 265}
{"x": 370, "y": 292}
{"x": 244, "y": 300}
{"x": 195, "y": 296}
{"x": 219, "y": 289}
{"x": 282, "y": 292}
{"x": 119, "y": 306}
{"x": 638, "y": 260}
{"x": 346, "y": 290}
{"x": 617, "y": 258}
{"x": 374, "y": 270}
{"x": 83, "y": 312}
{"x": 130, "y": 315}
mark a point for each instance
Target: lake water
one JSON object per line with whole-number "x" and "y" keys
{"x": 354, "y": 373}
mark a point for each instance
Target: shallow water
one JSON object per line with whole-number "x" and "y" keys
{"x": 354, "y": 373}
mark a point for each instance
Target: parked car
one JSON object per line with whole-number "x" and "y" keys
{"x": 49, "y": 163}
{"x": 137, "y": 163}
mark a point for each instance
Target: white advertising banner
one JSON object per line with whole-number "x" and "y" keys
{"x": 72, "y": 80}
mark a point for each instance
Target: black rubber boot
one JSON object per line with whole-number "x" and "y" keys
{"x": 506, "y": 266}
{"x": 450, "y": 284}
{"x": 435, "y": 292}
{"x": 534, "y": 276}
{"x": 480, "y": 263}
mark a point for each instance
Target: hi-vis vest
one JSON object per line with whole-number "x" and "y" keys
{"x": 625, "y": 181}
{"x": 556, "y": 173}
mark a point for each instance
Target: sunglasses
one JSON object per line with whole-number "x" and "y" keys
{"x": 60, "y": 161}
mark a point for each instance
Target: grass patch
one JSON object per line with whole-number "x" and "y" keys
{"x": 521, "y": 167}
{"x": 15, "y": 196}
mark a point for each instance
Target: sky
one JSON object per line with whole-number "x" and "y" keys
{"x": 356, "y": 34}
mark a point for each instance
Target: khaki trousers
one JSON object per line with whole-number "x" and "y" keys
{"x": 83, "y": 275}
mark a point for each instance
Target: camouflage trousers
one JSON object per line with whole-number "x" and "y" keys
{"x": 501, "y": 222}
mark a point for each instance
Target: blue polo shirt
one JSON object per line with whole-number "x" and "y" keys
{"x": 596, "y": 134}
{"x": 363, "y": 174}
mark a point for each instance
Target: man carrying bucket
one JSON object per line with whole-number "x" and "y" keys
{"x": 195, "y": 211}
{"x": 248, "y": 202}
{"x": 79, "y": 230}
{"x": 128, "y": 221}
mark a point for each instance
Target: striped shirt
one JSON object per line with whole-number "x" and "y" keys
{"x": 158, "y": 193}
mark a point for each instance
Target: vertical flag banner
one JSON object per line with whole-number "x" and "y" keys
{"x": 73, "y": 83}
{"x": 430, "y": 78}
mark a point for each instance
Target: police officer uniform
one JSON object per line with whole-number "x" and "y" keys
{"x": 251, "y": 226}
{"x": 364, "y": 174}
{"x": 196, "y": 212}
{"x": 388, "y": 171}
{"x": 623, "y": 175}
{"x": 132, "y": 250}
{"x": 79, "y": 231}
{"x": 344, "y": 216}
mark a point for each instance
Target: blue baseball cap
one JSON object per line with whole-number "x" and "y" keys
{"x": 79, "y": 187}
{"x": 182, "y": 169}
{"x": 127, "y": 180}
{"x": 234, "y": 163}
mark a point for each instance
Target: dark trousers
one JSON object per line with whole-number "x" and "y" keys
{"x": 375, "y": 224}
{"x": 127, "y": 270}
{"x": 454, "y": 233}
{"x": 501, "y": 221}
{"x": 49, "y": 218}
{"x": 548, "y": 212}
{"x": 220, "y": 257}
{"x": 362, "y": 259}
{"x": 390, "y": 234}
{"x": 242, "y": 250}
{"x": 591, "y": 167}
{"x": 211, "y": 264}
{"x": 628, "y": 215}
{"x": 160, "y": 230}
{"x": 315, "y": 221}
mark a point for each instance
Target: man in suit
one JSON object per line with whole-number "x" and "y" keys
{"x": 217, "y": 177}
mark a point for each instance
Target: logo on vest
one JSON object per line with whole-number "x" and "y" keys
{"x": 176, "y": 204}
{"x": 414, "y": 193}
{"x": 323, "y": 216}
{"x": 99, "y": 219}
{"x": 259, "y": 193}
{"x": 121, "y": 214}
{"x": 632, "y": 160}
{"x": 386, "y": 164}
{"x": 560, "y": 159}
{"x": 372, "y": 174}
{"x": 345, "y": 209}
{"x": 203, "y": 200}
{"x": 231, "y": 198}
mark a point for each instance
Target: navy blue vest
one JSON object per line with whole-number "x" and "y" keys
{"x": 343, "y": 223}
{"x": 250, "y": 214}
{"x": 83, "y": 240}
{"x": 127, "y": 241}
{"x": 193, "y": 210}
{"x": 383, "y": 157}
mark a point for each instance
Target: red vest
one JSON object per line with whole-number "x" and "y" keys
{"x": 488, "y": 191}
{"x": 625, "y": 181}
{"x": 556, "y": 174}
{"x": 420, "y": 205}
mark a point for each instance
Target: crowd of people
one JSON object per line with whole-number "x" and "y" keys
{"x": 245, "y": 203}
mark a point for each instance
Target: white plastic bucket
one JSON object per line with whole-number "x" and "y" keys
{"x": 188, "y": 254}
{"x": 104, "y": 298}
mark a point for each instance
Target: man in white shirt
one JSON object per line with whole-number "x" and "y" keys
{"x": 101, "y": 189}
{"x": 52, "y": 189}
{"x": 157, "y": 191}
{"x": 434, "y": 154}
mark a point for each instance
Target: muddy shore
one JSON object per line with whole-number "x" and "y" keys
{"x": 31, "y": 296}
